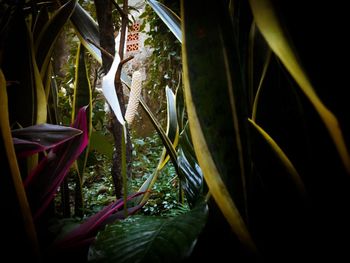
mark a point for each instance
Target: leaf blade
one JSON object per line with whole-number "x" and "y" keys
{"x": 273, "y": 32}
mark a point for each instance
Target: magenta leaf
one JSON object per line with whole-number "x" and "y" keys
{"x": 41, "y": 185}
{"x": 42, "y": 137}
{"x": 84, "y": 234}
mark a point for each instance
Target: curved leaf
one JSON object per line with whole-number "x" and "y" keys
{"x": 48, "y": 35}
{"x": 272, "y": 29}
{"x": 191, "y": 175}
{"x": 282, "y": 157}
{"x": 215, "y": 111}
{"x": 82, "y": 97}
{"x": 20, "y": 68}
{"x": 42, "y": 137}
{"x": 172, "y": 129}
{"x": 87, "y": 30}
{"x": 13, "y": 165}
{"x": 171, "y": 20}
{"x": 42, "y": 183}
{"x": 149, "y": 239}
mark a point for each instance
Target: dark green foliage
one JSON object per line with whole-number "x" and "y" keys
{"x": 149, "y": 239}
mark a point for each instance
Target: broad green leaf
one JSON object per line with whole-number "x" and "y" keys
{"x": 273, "y": 32}
{"x": 215, "y": 104}
{"x": 171, "y": 20}
{"x": 87, "y": 30}
{"x": 82, "y": 97}
{"x": 14, "y": 169}
{"x": 149, "y": 239}
{"x": 281, "y": 156}
{"x": 49, "y": 34}
{"x": 100, "y": 143}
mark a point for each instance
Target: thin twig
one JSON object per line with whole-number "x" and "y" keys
{"x": 121, "y": 12}
{"x": 100, "y": 48}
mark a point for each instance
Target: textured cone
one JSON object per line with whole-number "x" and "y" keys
{"x": 134, "y": 97}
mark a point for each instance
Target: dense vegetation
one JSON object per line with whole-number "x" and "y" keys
{"x": 253, "y": 164}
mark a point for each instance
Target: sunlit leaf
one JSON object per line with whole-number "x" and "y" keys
{"x": 49, "y": 34}
{"x": 82, "y": 97}
{"x": 171, "y": 20}
{"x": 149, "y": 239}
{"x": 87, "y": 30}
{"x": 13, "y": 165}
{"x": 20, "y": 68}
{"x": 275, "y": 35}
{"x": 172, "y": 130}
{"x": 282, "y": 157}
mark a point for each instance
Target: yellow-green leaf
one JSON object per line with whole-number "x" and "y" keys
{"x": 12, "y": 161}
{"x": 273, "y": 32}
{"x": 282, "y": 156}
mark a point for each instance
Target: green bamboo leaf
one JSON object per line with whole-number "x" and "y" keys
{"x": 169, "y": 18}
{"x": 273, "y": 32}
{"x": 87, "y": 30}
{"x": 82, "y": 97}
{"x": 49, "y": 34}
{"x": 215, "y": 115}
{"x": 149, "y": 239}
{"x": 172, "y": 130}
{"x": 171, "y": 137}
{"x": 41, "y": 102}
{"x": 14, "y": 169}
{"x": 281, "y": 156}
{"x": 19, "y": 66}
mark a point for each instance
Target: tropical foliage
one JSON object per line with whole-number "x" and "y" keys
{"x": 256, "y": 138}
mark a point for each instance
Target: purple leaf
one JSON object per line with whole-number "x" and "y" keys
{"x": 41, "y": 185}
{"x": 84, "y": 234}
{"x": 42, "y": 137}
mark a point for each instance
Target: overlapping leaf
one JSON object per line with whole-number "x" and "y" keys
{"x": 42, "y": 183}
{"x": 41, "y": 137}
{"x": 149, "y": 239}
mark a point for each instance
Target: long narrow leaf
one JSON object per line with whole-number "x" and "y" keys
{"x": 82, "y": 97}
{"x": 191, "y": 174}
{"x": 172, "y": 129}
{"x": 282, "y": 157}
{"x": 87, "y": 30}
{"x": 12, "y": 161}
{"x": 212, "y": 108}
{"x": 272, "y": 29}
{"x": 171, "y": 20}
{"x": 49, "y": 34}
